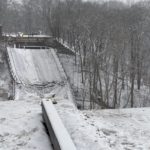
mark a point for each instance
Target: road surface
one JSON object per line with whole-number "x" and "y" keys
{"x": 33, "y": 66}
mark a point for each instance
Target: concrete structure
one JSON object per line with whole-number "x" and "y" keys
{"x": 30, "y": 40}
{"x": 33, "y": 66}
{"x": 59, "y": 135}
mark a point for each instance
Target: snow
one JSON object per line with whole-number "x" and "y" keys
{"x": 21, "y": 126}
{"x": 121, "y": 129}
{"x": 74, "y": 75}
{"x": 111, "y": 129}
{"x": 59, "y": 65}
{"x": 33, "y": 66}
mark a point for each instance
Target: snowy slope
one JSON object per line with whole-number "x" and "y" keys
{"x": 33, "y": 66}
{"x": 122, "y": 129}
{"x": 107, "y": 130}
{"x": 21, "y": 126}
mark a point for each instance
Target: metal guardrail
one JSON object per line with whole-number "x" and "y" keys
{"x": 59, "y": 136}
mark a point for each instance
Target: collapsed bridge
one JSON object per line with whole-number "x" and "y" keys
{"x": 39, "y": 65}
{"x": 33, "y": 66}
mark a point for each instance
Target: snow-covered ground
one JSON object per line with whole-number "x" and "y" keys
{"x": 21, "y": 126}
{"x": 74, "y": 76}
{"x": 122, "y": 129}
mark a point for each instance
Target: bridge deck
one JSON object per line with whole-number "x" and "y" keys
{"x": 33, "y": 66}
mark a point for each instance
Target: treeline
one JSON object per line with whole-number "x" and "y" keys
{"x": 111, "y": 40}
{"x": 28, "y": 16}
